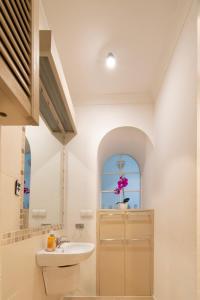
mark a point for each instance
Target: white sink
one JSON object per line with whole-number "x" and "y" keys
{"x": 68, "y": 254}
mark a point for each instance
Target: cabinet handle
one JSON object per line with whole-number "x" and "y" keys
{"x": 127, "y": 240}
{"x": 138, "y": 239}
{"x": 111, "y": 240}
{"x": 137, "y": 215}
{"x": 110, "y": 214}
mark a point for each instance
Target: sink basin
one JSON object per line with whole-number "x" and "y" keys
{"x": 68, "y": 254}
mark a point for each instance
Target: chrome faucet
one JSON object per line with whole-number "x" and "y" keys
{"x": 61, "y": 240}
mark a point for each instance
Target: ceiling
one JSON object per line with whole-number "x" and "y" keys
{"x": 140, "y": 33}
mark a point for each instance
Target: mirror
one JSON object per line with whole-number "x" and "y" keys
{"x": 27, "y": 178}
{"x": 43, "y": 177}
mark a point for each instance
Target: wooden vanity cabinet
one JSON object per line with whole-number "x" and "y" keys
{"x": 125, "y": 253}
{"x": 138, "y": 266}
{"x": 19, "y": 62}
{"x": 139, "y": 253}
{"x": 111, "y": 250}
{"x": 111, "y": 269}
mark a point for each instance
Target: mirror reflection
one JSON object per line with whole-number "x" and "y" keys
{"x": 27, "y": 174}
{"x": 43, "y": 177}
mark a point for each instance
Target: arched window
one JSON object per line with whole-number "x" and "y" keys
{"x": 124, "y": 166}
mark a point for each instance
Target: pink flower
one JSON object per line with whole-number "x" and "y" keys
{"x": 122, "y": 182}
{"x": 117, "y": 191}
{"x": 26, "y": 190}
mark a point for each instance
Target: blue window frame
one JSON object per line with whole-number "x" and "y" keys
{"x": 114, "y": 167}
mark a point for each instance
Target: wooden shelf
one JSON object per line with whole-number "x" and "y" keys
{"x": 55, "y": 102}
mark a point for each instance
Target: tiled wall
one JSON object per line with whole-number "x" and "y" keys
{"x": 20, "y": 235}
{"x": 20, "y": 277}
{"x": 10, "y": 170}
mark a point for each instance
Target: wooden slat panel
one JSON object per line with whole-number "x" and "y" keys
{"x": 15, "y": 46}
{"x": 28, "y": 4}
{"x": 23, "y": 15}
{"x": 17, "y": 40}
{"x": 19, "y": 62}
{"x": 14, "y": 57}
{"x": 18, "y": 33}
{"x": 20, "y": 20}
{"x": 15, "y": 70}
{"x": 26, "y": 11}
{"x": 11, "y": 86}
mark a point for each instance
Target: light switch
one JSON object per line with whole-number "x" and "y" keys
{"x": 17, "y": 187}
{"x": 86, "y": 213}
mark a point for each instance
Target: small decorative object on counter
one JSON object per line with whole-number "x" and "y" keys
{"x": 119, "y": 190}
{"x": 51, "y": 242}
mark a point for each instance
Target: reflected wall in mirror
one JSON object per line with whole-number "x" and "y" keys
{"x": 27, "y": 174}
{"x": 27, "y": 181}
{"x": 43, "y": 177}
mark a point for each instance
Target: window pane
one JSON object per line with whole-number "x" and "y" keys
{"x": 134, "y": 201}
{"x": 111, "y": 165}
{"x": 109, "y": 200}
{"x": 130, "y": 164}
{"x": 27, "y": 175}
{"x": 109, "y": 182}
{"x": 120, "y": 164}
{"x": 133, "y": 182}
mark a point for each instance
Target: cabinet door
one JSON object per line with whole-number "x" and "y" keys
{"x": 111, "y": 269}
{"x": 139, "y": 224}
{"x": 19, "y": 63}
{"x": 111, "y": 226}
{"x": 138, "y": 266}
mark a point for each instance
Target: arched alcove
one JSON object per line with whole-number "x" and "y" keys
{"x": 126, "y": 141}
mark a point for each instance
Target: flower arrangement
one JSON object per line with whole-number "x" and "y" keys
{"x": 26, "y": 188}
{"x": 121, "y": 184}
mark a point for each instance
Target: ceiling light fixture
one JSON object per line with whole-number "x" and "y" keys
{"x": 110, "y": 61}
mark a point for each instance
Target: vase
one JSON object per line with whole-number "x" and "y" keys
{"x": 123, "y": 205}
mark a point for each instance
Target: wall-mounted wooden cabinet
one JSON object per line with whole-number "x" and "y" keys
{"x": 19, "y": 62}
{"x": 125, "y": 253}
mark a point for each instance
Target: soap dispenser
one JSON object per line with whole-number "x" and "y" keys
{"x": 51, "y": 242}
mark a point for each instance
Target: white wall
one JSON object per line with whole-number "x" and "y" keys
{"x": 94, "y": 122}
{"x": 169, "y": 174}
{"x": 173, "y": 190}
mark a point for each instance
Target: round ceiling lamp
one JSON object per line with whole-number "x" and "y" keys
{"x": 110, "y": 61}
